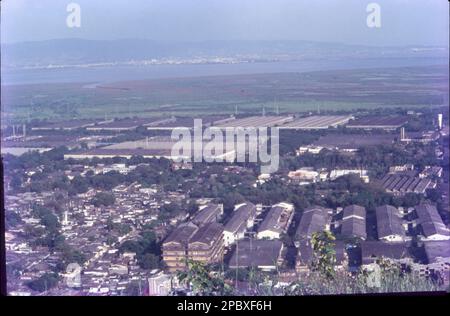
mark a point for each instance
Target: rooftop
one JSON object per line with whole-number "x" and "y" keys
{"x": 238, "y": 221}
{"x": 256, "y": 253}
{"x": 389, "y": 221}
{"x": 430, "y": 220}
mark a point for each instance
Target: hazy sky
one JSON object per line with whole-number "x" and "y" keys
{"x": 403, "y": 22}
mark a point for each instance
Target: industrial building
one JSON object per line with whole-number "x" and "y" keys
{"x": 150, "y": 147}
{"x": 379, "y": 122}
{"x": 389, "y": 224}
{"x": 242, "y": 219}
{"x": 400, "y": 184}
{"x": 67, "y": 125}
{"x": 398, "y": 252}
{"x": 317, "y": 122}
{"x": 354, "y": 222}
{"x": 362, "y": 173}
{"x": 181, "y": 122}
{"x": 314, "y": 219}
{"x": 207, "y": 214}
{"x": 348, "y": 142}
{"x": 127, "y": 124}
{"x": 276, "y": 222}
{"x": 430, "y": 223}
{"x": 253, "y": 121}
{"x": 259, "y": 253}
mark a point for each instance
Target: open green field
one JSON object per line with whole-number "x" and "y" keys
{"x": 341, "y": 90}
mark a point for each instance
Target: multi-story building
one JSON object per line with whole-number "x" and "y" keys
{"x": 175, "y": 247}
{"x": 206, "y": 245}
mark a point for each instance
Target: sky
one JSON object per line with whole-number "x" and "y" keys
{"x": 403, "y": 22}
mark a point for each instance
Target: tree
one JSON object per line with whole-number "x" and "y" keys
{"x": 44, "y": 283}
{"x": 103, "y": 198}
{"x": 199, "y": 277}
{"x": 324, "y": 254}
{"x": 148, "y": 261}
{"x": 16, "y": 182}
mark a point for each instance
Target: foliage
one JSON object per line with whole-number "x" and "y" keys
{"x": 44, "y": 283}
{"x": 103, "y": 198}
{"x": 324, "y": 255}
{"x": 201, "y": 280}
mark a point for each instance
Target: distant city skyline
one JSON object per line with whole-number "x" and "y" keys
{"x": 403, "y": 22}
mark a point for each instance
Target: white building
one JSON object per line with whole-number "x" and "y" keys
{"x": 242, "y": 219}
{"x": 362, "y": 173}
{"x": 276, "y": 222}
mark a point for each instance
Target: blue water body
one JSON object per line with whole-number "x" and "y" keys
{"x": 124, "y": 73}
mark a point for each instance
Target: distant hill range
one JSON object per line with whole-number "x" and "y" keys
{"x": 67, "y": 52}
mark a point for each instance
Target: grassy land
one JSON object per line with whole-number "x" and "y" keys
{"x": 292, "y": 92}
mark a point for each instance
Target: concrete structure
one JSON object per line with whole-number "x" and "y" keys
{"x": 175, "y": 247}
